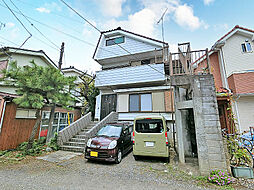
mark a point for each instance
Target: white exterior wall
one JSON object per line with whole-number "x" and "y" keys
{"x": 132, "y": 45}
{"x": 23, "y": 60}
{"x": 235, "y": 59}
{"x": 130, "y": 75}
{"x": 245, "y": 106}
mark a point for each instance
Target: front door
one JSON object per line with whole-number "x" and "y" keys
{"x": 108, "y": 104}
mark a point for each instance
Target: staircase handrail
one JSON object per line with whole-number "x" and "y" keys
{"x": 110, "y": 118}
{"x": 73, "y": 129}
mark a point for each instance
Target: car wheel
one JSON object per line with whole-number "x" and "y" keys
{"x": 119, "y": 157}
{"x": 135, "y": 157}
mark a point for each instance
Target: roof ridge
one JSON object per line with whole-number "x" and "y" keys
{"x": 119, "y": 28}
{"x": 236, "y": 27}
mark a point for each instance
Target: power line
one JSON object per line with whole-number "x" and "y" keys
{"x": 66, "y": 34}
{"x": 34, "y": 26}
{"x": 81, "y": 16}
{"x": 105, "y": 35}
{"x": 9, "y": 41}
{"x": 30, "y": 35}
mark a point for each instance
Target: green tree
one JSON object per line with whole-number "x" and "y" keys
{"x": 37, "y": 87}
{"x": 89, "y": 92}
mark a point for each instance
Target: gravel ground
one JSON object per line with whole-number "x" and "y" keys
{"x": 78, "y": 173}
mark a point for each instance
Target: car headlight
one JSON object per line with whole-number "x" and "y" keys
{"x": 112, "y": 144}
{"x": 88, "y": 144}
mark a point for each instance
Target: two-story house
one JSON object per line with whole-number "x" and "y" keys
{"x": 232, "y": 64}
{"x": 132, "y": 80}
{"x": 16, "y": 123}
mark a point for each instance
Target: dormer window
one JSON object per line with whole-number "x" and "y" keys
{"x": 246, "y": 47}
{"x": 114, "y": 41}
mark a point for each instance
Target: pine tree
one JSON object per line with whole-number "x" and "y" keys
{"x": 37, "y": 87}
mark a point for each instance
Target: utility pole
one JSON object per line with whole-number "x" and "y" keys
{"x": 60, "y": 62}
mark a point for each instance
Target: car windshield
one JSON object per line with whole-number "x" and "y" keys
{"x": 149, "y": 126}
{"x": 110, "y": 131}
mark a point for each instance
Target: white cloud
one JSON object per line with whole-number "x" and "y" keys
{"x": 10, "y": 25}
{"x": 111, "y": 7}
{"x": 43, "y": 10}
{"x": 208, "y": 2}
{"x": 184, "y": 16}
{"x": 173, "y": 48}
{"x": 145, "y": 20}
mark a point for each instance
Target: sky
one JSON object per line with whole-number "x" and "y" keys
{"x": 51, "y": 22}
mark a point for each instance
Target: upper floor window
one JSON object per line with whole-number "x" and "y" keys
{"x": 114, "y": 41}
{"x": 246, "y": 47}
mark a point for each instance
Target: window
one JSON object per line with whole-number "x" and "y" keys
{"x": 140, "y": 102}
{"x": 145, "y": 62}
{"x": 26, "y": 113}
{"x": 149, "y": 126}
{"x": 61, "y": 120}
{"x": 246, "y": 47}
{"x": 114, "y": 41}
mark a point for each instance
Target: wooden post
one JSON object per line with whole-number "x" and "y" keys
{"x": 208, "y": 61}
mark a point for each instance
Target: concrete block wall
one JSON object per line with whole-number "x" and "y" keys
{"x": 211, "y": 151}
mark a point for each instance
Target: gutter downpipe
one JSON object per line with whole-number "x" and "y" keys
{"x": 2, "y": 118}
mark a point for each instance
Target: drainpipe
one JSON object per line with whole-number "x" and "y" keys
{"x": 2, "y": 118}
{"x": 223, "y": 68}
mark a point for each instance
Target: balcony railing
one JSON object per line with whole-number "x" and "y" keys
{"x": 188, "y": 63}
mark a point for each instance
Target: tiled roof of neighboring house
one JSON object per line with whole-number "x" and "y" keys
{"x": 223, "y": 37}
{"x": 72, "y": 68}
{"x": 4, "y": 94}
{"x": 3, "y": 65}
{"x": 119, "y": 28}
{"x": 236, "y": 27}
{"x": 19, "y": 50}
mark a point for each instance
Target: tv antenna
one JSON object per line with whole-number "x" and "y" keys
{"x": 162, "y": 27}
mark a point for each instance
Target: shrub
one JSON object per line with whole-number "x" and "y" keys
{"x": 53, "y": 143}
{"x": 219, "y": 177}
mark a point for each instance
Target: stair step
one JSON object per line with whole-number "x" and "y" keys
{"x": 80, "y": 136}
{"x": 72, "y": 148}
{"x": 78, "y": 140}
{"x": 78, "y": 144}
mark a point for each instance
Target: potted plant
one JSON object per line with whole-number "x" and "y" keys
{"x": 240, "y": 158}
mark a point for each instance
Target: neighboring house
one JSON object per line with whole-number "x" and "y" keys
{"x": 16, "y": 123}
{"x": 132, "y": 80}
{"x": 232, "y": 64}
{"x": 72, "y": 71}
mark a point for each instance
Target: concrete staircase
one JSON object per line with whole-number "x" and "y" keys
{"x": 78, "y": 142}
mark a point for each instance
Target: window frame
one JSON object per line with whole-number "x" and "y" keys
{"x": 113, "y": 39}
{"x": 245, "y": 47}
{"x": 27, "y": 115}
{"x": 139, "y": 110}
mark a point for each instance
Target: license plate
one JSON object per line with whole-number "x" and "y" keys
{"x": 149, "y": 144}
{"x": 94, "y": 154}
